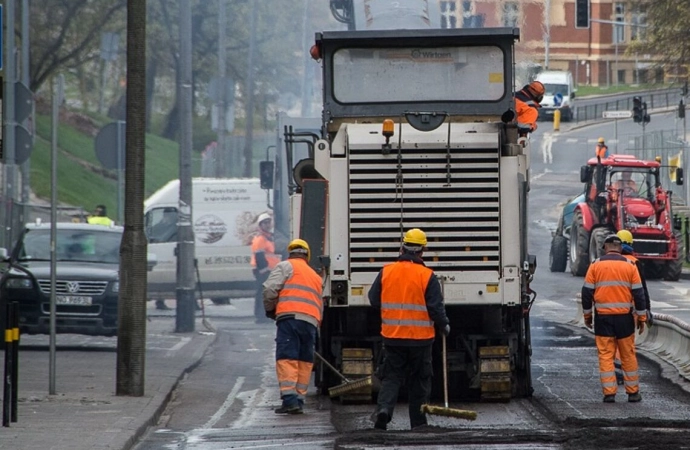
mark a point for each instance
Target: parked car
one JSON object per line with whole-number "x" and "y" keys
{"x": 558, "y": 255}
{"x": 87, "y": 278}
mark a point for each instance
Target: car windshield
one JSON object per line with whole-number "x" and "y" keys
{"x": 72, "y": 245}
{"x": 553, "y": 89}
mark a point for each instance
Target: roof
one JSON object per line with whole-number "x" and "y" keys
{"x": 624, "y": 161}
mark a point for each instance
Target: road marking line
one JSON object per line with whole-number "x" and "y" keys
{"x": 226, "y": 404}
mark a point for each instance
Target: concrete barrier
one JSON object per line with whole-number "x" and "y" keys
{"x": 668, "y": 339}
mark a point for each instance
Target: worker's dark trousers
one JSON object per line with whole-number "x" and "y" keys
{"x": 259, "y": 311}
{"x": 413, "y": 364}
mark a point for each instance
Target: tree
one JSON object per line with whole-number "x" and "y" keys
{"x": 668, "y": 33}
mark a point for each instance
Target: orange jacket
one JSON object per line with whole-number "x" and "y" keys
{"x": 404, "y": 313}
{"x": 264, "y": 244}
{"x": 301, "y": 293}
{"x": 527, "y": 111}
{"x": 601, "y": 151}
{"x": 613, "y": 286}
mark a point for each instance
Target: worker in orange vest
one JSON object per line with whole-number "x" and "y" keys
{"x": 613, "y": 289}
{"x": 411, "y": 303}
{"x": 601, "y": 150}
{"x": 627, "y": 251}
{"x": 264, "y": 259}
{"x": 527, "y": 106}
{"x": 293, "y": 298}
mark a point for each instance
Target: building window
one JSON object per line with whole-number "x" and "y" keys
{"x": 619, "y": 16}
{"x": 449, "y": 17}
{"x": 510, "y": 14}
{"x": 639, "y": 22}
{"x": 466, "y": 14}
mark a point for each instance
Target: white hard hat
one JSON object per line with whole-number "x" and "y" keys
{"x": 262, "y": 217}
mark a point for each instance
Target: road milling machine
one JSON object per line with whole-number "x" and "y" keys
{"x": 418, "y": 131}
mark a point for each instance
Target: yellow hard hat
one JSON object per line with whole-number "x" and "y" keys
{"x": 415, "y": 236}
{"x": 601, "y": 140}
{"x": 626, "y": 236}
{"x": 299, "y": 246}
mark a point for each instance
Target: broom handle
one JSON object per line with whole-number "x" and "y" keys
{"x": 445, "y": 373}
{"x": 323, "y": 360}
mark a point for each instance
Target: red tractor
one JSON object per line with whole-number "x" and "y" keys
{"x": 622, "y": 192}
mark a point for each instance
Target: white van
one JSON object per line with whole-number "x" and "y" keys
{"x": 560, "y": 93}
{"x": 224, "y": 218}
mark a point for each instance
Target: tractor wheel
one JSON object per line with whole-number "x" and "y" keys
{"x": 579, "y": 246}
{"x": 596, "y": 243}
{"x": 674, "y": 268}
{"x": 558, "y": 256}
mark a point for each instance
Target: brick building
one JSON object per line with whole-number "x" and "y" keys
{"x": 595, "y": 55}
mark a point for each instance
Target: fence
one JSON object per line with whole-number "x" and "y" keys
{"x": 655, "y": 99}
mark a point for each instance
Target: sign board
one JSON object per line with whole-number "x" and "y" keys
{"x": 617, "y": 114}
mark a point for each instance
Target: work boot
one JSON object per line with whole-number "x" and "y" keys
{"x": 380, "y": 419}
{"x": 295, "y": 409}
{"x": 160, "y": 304}
{"x": 609, "y": 399}
{"x": 634, "y": 398}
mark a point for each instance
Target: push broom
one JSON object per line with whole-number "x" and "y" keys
{"x": 445, "y": 410}
{"x": 347, "y": 385}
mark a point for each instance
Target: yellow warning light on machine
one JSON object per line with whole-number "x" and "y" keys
{"x": 492, "y": 288}
{"x": 388, "y": 128}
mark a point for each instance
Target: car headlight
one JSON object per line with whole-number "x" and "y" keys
{"x": 19, "y": 283}
{"x": 116, "y": 286}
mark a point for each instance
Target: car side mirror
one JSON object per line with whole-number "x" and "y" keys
{"x": 266, "y": 174}
{"x": 572, "y": 95}
{"x": 151, "y": 261}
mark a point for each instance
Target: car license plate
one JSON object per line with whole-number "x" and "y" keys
{"x": 73, "y": 300}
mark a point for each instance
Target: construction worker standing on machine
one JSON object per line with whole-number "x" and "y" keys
{"x": 627, "y": 251}
{"x": 527, "y": 106}
{"x": 601, "y": 150}
{"x": 613, "y": 290}
{"x": 293, "y": 298}
{"x": 411, "y": 302}
{"x": 264, "y": 259}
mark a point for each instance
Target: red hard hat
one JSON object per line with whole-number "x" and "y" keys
{"x": 536, "y": 89}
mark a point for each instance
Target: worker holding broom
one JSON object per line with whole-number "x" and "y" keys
{"x": 411, "y": 302}
{"x": 292, "y": 297}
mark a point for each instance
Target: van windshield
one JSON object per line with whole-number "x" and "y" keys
{"x": 553, "y": 89}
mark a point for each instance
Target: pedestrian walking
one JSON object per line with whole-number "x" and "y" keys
{"x": 612, "y": 296}
{"x": 411, "y": 302}
{"x": 292, "y": 296}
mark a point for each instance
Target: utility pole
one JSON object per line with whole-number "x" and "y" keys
{"x": 547, "y": 32}
{"x": 222, "y": 100}
{"x": 9, "y": 122}
{"x": 131, "y": 309}
{"x": 184, "y": 318}
{"x": 306, "y": 63}
{"x": 26, "y": 166}
{"x": 249, "y": 87}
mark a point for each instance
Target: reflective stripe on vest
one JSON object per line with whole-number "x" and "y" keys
{"x": 612, "y": 279}
{"x": 403, "y": 306}
{"x": 301, "y": 292}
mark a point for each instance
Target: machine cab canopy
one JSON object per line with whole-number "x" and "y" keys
{"x": 386, "y": 73}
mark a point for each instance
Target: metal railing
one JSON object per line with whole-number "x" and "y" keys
{"x": 663, "y": 98}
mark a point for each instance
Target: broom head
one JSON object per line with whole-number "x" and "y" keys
{"x": 449, "y": 412}
{"x": 348, "y": 386}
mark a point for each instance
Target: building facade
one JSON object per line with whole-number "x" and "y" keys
{"x": 548, "y": 37}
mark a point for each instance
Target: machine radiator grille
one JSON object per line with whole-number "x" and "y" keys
{"x": 459, "y": 213}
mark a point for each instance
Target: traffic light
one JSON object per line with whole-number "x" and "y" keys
{"x": 582, "y": 13}
{"x": 645, "y": 116}
{"x": 637, "y": 109}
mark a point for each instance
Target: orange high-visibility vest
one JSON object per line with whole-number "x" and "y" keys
{"x": 403, "y": 306}
{"x": 601, "y": 151}
{"x": 302, "y": 291}
{"x": 612, "y": 279}
{"x": 527, "y": 113}
{"x": 261, "y": 242}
